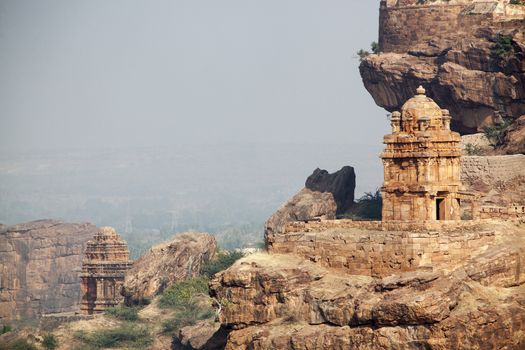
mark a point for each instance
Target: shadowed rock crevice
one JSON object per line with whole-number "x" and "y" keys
{"x": 324, "y": 196}
{"x": 340, "y": 184}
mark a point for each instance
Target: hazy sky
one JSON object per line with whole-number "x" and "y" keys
{"x": 125, "y": 73}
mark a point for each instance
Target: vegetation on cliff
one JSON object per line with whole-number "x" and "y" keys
{"x": 189, "y": 299}
{"x": 224, "y": 259}
{"x": 128, "y": 335}
{"x": 368, "y": 207}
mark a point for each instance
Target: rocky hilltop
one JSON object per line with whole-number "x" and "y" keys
{"x": 40, "y": 265}
{"x": 469, "y": 55}
{"x": 340, "y": 284}
{"x": 454, "y": 289}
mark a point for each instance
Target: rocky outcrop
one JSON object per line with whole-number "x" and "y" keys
{"x": 500, "y": 180}
{"x": 305, "y": 205}
{"x": 514, "y": 138}
{"x": 40, "y": 267}
{"x": 287, "y": 302}
{"x": 204, "y": 335}
{"x": 340, "y": 184}
{"x": 470, "y": 57}
{"x": 177, "y": 259}
{"x": 476, "y": 145}
{"x": 325, "y": 196}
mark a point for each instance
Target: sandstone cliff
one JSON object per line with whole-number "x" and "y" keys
{"x": 40, "y": 264}
{"x": 469, "y": 296}
{"x": 470, "y": 57}
{"x": 177, "y": 259}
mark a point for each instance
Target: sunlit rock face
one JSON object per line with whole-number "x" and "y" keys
{"x": 105, "y": 263}
{"x": 40, "y": 264}
{"x": 470, "y": 56}
{"x": 325, "y": 196}
{"x": 469, "y": 300}
{"x": 174, "y": 260}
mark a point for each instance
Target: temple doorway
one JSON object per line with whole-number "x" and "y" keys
{"x": 440, "y": 209}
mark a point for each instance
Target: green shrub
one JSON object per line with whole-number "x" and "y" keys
{"x": 222, "y": 261}
{"x": 517, "y": 2}
{"x": 362, "y": 54}
{"x": 368, "y": 207}
{"x": 18, "y": 344}
{"x": 375, "y": 47}
{"x": 495, "y": 132}
{"x": 5, "y": 328}
{"x": 127, "y": 335}
{"x": 502, "y": 47}
{"x": 50, "y": 342}
{"x": 473, "y": 150}
{"x": 123, "y": 313}
{"x": 186, "y": 316}
{"x": 180, "y": 294}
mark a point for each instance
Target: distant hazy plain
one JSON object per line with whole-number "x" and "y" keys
{"x": 161, "y": 116}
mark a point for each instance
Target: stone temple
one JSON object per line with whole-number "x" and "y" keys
{"x": 103, "y": 270}
{"x": 421, "y": 164}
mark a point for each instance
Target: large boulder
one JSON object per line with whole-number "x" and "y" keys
{"x": 325, "y": 196}
{"x": 177, "y": 259}
{"x": 340, "y": 184}
{"x": 40, "y": 264}
{"x": 204, "y": 335}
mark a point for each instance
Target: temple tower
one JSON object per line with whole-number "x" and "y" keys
{"x": 421, "y": 164}
{"x": 105, "y": 263}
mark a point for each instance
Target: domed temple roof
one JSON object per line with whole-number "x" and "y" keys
{"x": 421, "y": 107}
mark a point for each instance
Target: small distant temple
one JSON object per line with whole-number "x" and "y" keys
{"x": 421, "y": 164}
{"x": 105, "y": 263}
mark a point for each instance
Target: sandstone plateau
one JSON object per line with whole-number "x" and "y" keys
{"x": 469, "y": 296}
{"x": 40, "y": 265}
{"x": 469, "y": 56}
{"x": 177, "y": 259}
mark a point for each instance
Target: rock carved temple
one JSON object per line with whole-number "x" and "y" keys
{"x": 104, "y": 266}
{"x": 422, "y": 164}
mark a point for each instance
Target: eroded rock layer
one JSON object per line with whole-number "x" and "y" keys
{"x": 470, "y": 56}
{"x": 40, "y": 264}
{"x": 288, "y": 302}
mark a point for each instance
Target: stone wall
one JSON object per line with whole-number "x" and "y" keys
{"x": 405, "y": 24}
{"x": 503, "y": 213}
{"x": 499, "y": 179}
{"x": 402, "y": 27}
{"x": 372, "y": 252}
